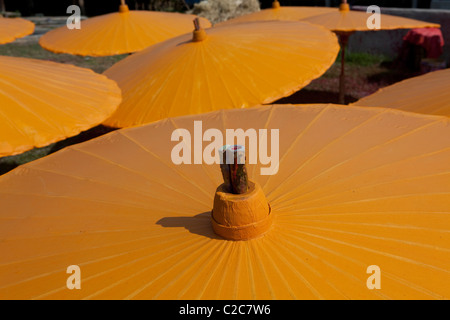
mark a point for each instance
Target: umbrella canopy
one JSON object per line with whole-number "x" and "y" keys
{"x": 356, "y": 187}
{"x": 43, "y": 102}
{"x": 117, "y": 33}
{"x": 233, "y": 66}
{"x": 344, "y": 22}
{"x": 13, "y": 28}
{"x": 278, "y": 12}
{"x": 427, "y": 94}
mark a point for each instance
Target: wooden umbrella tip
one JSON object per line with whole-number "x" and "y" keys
{"x": 241, "y": 216}
{"x": 234, "y": 172}
{"x": 197, "y": 24}
{"x": 123, "y": 8}
{"x": 199, "y": 33}
{"x": 240, "y": 210}
{"x": 276, "y": 4}
{"x": 344, "y": 6}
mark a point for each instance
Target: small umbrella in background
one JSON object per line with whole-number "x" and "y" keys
{"x": 356, "y": 188}
{"x": 344, "y": 22}
{"x": 428, "y": 94}
{"x": 232, "y": 66}
{"x": 118, "y": 33}
{"x": 277, "y": 12}
{"x": 13, "y": 28}
{"x": 43, "y": 102}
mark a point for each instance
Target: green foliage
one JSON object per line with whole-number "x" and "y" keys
{"x": 363, "y": 59}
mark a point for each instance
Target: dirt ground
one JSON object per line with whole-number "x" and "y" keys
{"x": 365, "y": 74}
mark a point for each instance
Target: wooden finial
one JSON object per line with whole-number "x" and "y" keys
{"x": 225, "y": 168}
{"x": 233, "y": 169}
{"x": 344, "y": 6}
{"x": 197, "y": 24}
{"x": 123, "y": 7}
{"x": 199, "y": 32}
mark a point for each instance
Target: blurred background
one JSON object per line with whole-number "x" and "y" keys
{"x": 96, "y": 7}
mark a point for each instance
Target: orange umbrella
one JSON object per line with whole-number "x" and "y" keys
{"x": 13, "y": 28}
{"x": 357, "y": 188}
{"x": 117, "y": 33}
{"x": 234, "y": 66}
{"x": 278, "y": 12}
{"x": 344, "y": 22}
{"x": 427, "y": 94}
{"x": 43, "y": 102}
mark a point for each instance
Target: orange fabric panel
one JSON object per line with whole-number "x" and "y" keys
{"x": 235, "y": 66}
{"x": 356, "y": 187}
{"x": 119, "y": 33}
{"x": 428, "y": 94}
{"x": 13, "y": 28}
{"x": 42, "y": 102}
{"x": 349, "y": 21}
{"x": 281, "y": 13}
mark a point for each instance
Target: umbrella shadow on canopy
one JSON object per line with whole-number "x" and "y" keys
{"x": 199, "y": 224}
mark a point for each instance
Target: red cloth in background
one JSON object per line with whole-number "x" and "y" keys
{"x": 430, "y": 39}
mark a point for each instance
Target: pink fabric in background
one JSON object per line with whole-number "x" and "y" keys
{"x": 429, "y": 38}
